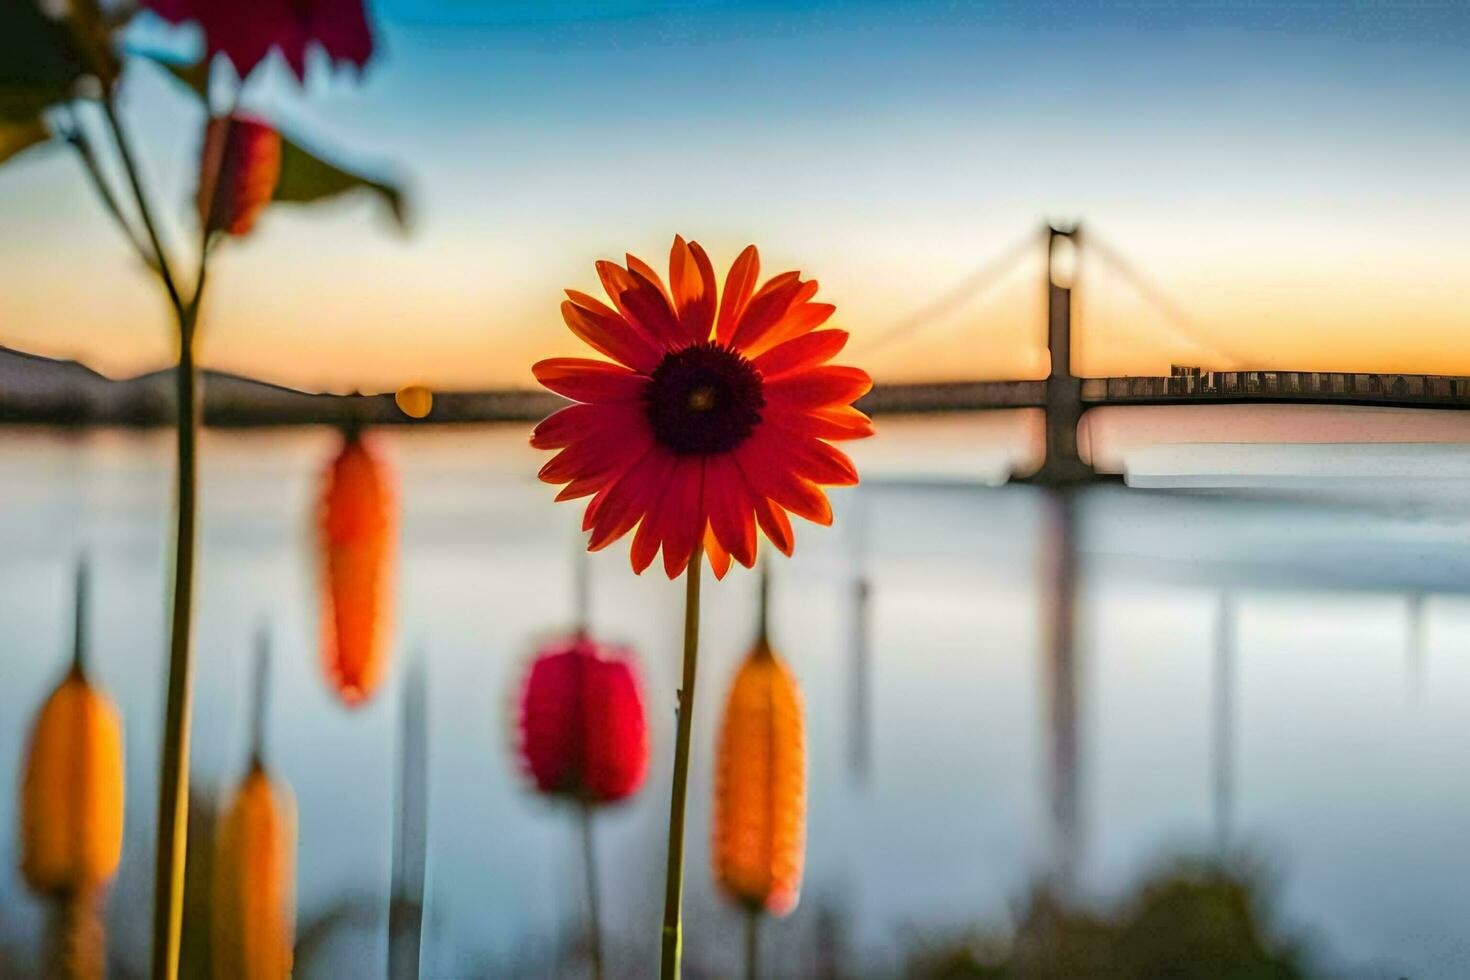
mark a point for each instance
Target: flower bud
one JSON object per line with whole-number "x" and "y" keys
{"x": 254, "y": 900}
{"x": 238, "y": 170}
{"x": 357, "y": 533}
{"x": 582, "y": 730}
{"x": 71, "y": 807}
{"x": 760, "y": 787}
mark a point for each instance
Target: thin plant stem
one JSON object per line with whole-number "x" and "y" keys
{"x": 173, "y": 785}
{"x": 752, "y": 942}
{"x": 173, "y": 790}
{"x": 135, "y": 181}
{"x": 258, "y": 697}
{"x": 75, "y": 942}
{"x": 76, "y": 135}
{"x": 582, "y": 590}
{"x": 763, "y": 614}
{"x": 79, "y": 621}
{"x": 594, "y": 916}
{"x": 673, "y": 936}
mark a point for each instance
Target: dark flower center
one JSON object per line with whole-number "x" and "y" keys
{"x": 704, "y": 399}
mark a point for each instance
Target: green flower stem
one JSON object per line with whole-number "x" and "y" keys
{"x": 673, "y": 936}
{"x": 752, "y": 942}
{"x": 594, "y": 916}
{"x": 173, "y": 784}
{"x": 173, "y": 787}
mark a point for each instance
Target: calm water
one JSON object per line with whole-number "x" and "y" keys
{"x": 1351, "y": 710}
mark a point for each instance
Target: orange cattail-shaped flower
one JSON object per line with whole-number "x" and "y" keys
{"x": 760, "y": 787}
{"x": 238, "y": 171}
{"x": 358, "y": 527}
{"x": 582, "y": 729}
{"x": 71, "y": 808}
{"x": 71, "y": 797}
{"x": 254, "y": 907}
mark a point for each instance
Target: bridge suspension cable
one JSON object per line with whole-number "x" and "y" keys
{"x": 967, "y": 290}
{"x": 1177, "y": 323}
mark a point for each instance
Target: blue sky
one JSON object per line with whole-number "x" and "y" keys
{"x": 1290, "y": 175}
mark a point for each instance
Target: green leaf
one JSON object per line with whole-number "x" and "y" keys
{"x": 306, "y": 178}
{"x": 39, "y": 65}
{"x": 18, "y": 136}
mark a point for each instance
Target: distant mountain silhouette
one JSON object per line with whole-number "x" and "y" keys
{"x": 37, "y": 390}
{"x": 44, "y": 391}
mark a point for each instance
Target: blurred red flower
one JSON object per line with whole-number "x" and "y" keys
{"x": 246, "y": 30}
{"x": 238, "y": 170}
{"x": 582, "y": 728}
{"x": 708, "y": 424}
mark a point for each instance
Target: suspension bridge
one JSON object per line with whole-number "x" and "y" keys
{"x": 1065, "y": 397}
{"x": 36, "y": 390}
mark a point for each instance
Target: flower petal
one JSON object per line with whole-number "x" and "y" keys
{"x": 693, "y": 280}
{"x": 578, "y": 422}
{"x": 844, "y": 415}
{"x": 683, "y": 520}
{"x": 727, "y": 500}
{"x": 638, "y": 266}
{"x": 776, "y": 525}
{"x": 660, "y": 526}
{"x": 739, "y": 284}
{"x": 583, "y": 486}
{"x": 719, "y": 558}
{"x": 808, "y": 456}
{"x": 823, "y": 423}
{"x": 802, "y": 497}
{"x": 800, "y": 353}
{"x": 802, "y": 318}
{"x": 820, "y": 463}
{"x": 768, "y": 472}
{"x": 643, "y": 303}
{"x": 630, "y": 499}
{"x": 341, "y": 27}
{"x": 765, "y": 310}
{"x": 819, "y": 387}
{"x": 595, "y": 505}
{"x": 563, "y": 427}
{"x": 585, "y": 380}
{"x": 653, "y": 530}
{"x": 592, "y": 457}
{"x": 607, "y": 332}
{"x": 646, "y": 541}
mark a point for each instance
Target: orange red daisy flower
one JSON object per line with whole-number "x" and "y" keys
{"x": 715, "y": 415}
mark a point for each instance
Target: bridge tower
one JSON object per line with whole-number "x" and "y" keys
{"x": 1063, "y": 465}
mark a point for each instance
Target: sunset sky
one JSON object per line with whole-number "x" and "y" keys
{"x": 1288, "y": 185}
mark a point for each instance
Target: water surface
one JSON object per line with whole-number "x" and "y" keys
{"x": 1348, "y": 692}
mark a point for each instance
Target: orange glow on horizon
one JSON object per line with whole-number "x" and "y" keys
{"x": 413, "y": 317}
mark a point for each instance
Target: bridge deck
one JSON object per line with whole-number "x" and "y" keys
{"x": 37, "y": 390}
{"x": 1331, "y": 387}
